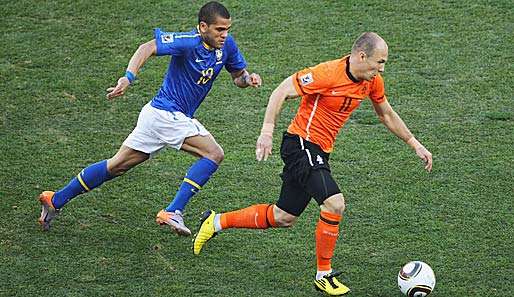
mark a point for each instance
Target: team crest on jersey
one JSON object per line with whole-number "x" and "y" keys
{"x": 306, "y": 79}
{"x": 219, "y": 54}
{"x": 167, "y": 38}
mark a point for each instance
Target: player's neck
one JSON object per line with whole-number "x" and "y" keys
{"x": 351, "y": 71}
{"x": 204, "y": 40}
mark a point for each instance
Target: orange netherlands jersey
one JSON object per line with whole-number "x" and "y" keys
{"x": 329, "y": 96}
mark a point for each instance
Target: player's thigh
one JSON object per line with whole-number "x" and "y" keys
{"x": 176, "y": 130}
{"x": 293, "y": 197}
{"x": 321, "y": 185}
{"x": 145, "y": 138}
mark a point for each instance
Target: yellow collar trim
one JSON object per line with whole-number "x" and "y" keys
{"x": 208, "y": 47}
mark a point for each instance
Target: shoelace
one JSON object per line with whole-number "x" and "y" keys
{"x": 330, "y": 278}
{"x": 333, "y": 274}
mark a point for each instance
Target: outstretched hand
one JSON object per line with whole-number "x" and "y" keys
{"x": 425, "y": 156}
{"x": 119, "y": 89}
{"x": 263, "y": 147}
{"x": 254, "y": 80}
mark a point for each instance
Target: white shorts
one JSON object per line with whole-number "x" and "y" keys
{"x": 158, "y": 128}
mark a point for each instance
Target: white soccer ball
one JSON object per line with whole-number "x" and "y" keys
{"x": 416, "y": 279}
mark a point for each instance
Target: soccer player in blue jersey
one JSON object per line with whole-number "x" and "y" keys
{"x": 198, "y": 57}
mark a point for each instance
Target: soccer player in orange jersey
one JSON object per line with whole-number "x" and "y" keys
{"x": 330, "y": 92}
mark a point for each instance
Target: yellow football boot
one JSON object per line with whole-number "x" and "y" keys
{"x": 330, "y": 285}
{"x": 205, "y": 232}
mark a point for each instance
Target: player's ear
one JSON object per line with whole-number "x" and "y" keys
{"x": 203, "y": 26}
{"x": 362, "y": 56}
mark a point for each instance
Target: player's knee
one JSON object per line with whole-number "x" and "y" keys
{"x": 284, "y": 219}
{"x": 334, "y": 204}
{"x": 216, "y": 154}
{"x": 125, "y": 159}
{"x": 118, "y": 166}
{"x": 116, "y": 169}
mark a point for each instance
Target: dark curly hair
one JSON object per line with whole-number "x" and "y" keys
{"x": 210, "y": 11}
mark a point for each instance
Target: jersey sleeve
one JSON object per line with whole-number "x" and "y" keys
{"x": 167, "y": 44}
{"x": 312, "y": 80}
{"x": 377, "y": 93}
{"x": 235, "y": 60}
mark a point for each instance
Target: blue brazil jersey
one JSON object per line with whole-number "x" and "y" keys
{"x": 192, "y": 69}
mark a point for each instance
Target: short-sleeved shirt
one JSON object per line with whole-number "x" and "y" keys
{"x": 329, "y": 96}
{"x": 193, "y": 68}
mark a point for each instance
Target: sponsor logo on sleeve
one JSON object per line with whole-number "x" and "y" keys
{"x": 306, "y": 79}
{"x": 167, "y": 38}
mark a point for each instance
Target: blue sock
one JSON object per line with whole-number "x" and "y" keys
{"x": 89, "y": 178}
{"x": 195, "y": 178}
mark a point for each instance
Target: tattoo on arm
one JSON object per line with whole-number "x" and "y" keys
{"x": 242, "y": 80}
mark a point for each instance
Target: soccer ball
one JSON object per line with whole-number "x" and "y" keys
{"x": 416, "y": 279}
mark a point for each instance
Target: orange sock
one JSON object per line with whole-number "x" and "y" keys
{"x": 259, "y": 216}
{"x": 327, "y": 232}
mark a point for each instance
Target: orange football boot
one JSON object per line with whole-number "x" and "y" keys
{"x": 48, "y": 211}
{"x": 174, "y": 220}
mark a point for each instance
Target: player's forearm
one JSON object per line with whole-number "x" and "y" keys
{"x": 144, "y": 51}
{"x": 272, "y": 111}
{"x": 396, "y": 125}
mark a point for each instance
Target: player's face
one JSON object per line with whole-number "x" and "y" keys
{"x": 216, "y": 33}
{"x": 375, "y": 64}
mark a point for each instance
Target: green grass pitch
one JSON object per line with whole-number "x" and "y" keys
{"x": 449, "y": 76}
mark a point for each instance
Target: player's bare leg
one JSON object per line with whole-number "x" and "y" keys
{"x": 125, "y": 159}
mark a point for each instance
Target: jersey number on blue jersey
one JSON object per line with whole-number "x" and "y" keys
{"x": 206, "y": 76}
